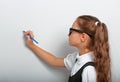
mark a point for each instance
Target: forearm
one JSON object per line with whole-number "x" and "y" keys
{"x": 45, "y": 56}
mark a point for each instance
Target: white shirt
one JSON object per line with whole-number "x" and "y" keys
{"x": 89, "y": 73}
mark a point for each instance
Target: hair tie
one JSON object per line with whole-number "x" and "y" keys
{"x": 96, "y": 23}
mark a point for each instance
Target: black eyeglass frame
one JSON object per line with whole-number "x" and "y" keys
{"x": 79, "y": 31}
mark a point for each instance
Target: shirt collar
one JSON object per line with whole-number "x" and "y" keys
{"x": 85, "y": 57}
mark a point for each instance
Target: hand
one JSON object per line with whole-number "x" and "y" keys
{"x": 29, "y": 41}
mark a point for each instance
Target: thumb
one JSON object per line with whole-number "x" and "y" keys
{"x": 28, "y": 38}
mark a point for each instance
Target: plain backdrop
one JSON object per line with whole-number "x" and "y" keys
{"x": 50, "y": 21}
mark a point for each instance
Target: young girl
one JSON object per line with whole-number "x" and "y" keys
{"x": 92, "y": 62}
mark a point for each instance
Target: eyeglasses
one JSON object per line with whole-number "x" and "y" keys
{"x": 79, "y": 31}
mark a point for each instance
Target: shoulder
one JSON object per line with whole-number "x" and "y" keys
{"x": 89, "y": 74}
{"x": 69, "y": 60}
{"x": 71, "y": 55}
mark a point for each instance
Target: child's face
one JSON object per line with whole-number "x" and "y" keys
{"x": 74, "y": 37}
{"x": 77, "y": 37}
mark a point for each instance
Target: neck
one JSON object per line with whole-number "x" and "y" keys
{"x": 83, "y": 51}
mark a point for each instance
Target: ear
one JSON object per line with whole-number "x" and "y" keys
{"x": 83, "y": 37}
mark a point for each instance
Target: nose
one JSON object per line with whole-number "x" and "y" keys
{"x": 69, "y": 33}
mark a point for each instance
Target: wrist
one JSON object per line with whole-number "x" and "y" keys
{"x": 31, "y": 45}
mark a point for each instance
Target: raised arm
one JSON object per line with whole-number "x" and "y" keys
{"x": 44, "y": 55}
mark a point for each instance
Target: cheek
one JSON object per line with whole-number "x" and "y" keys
{"x": 74, "y": 40}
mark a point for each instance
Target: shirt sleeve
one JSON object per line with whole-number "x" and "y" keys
{"x": 69, "y": 61}
{"x": 89, "y": 74}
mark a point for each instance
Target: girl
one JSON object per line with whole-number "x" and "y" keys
{"x": 92, "y": 62}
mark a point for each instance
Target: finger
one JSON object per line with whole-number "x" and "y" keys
{"x": 29, "y": 32}
{"x": 27, "y": 37}
{"x": 29, "y": 41}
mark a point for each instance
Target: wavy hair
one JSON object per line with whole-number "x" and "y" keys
{"x": 99, "y": 44}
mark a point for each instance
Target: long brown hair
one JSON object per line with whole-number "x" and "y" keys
{"x": 99, "y": 44}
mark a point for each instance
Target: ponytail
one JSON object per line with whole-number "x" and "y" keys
{"x": 101, "y": 52}
{"x": 99, "y": 44}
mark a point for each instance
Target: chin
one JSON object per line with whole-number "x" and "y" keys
{"x": 71, "y": 44}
